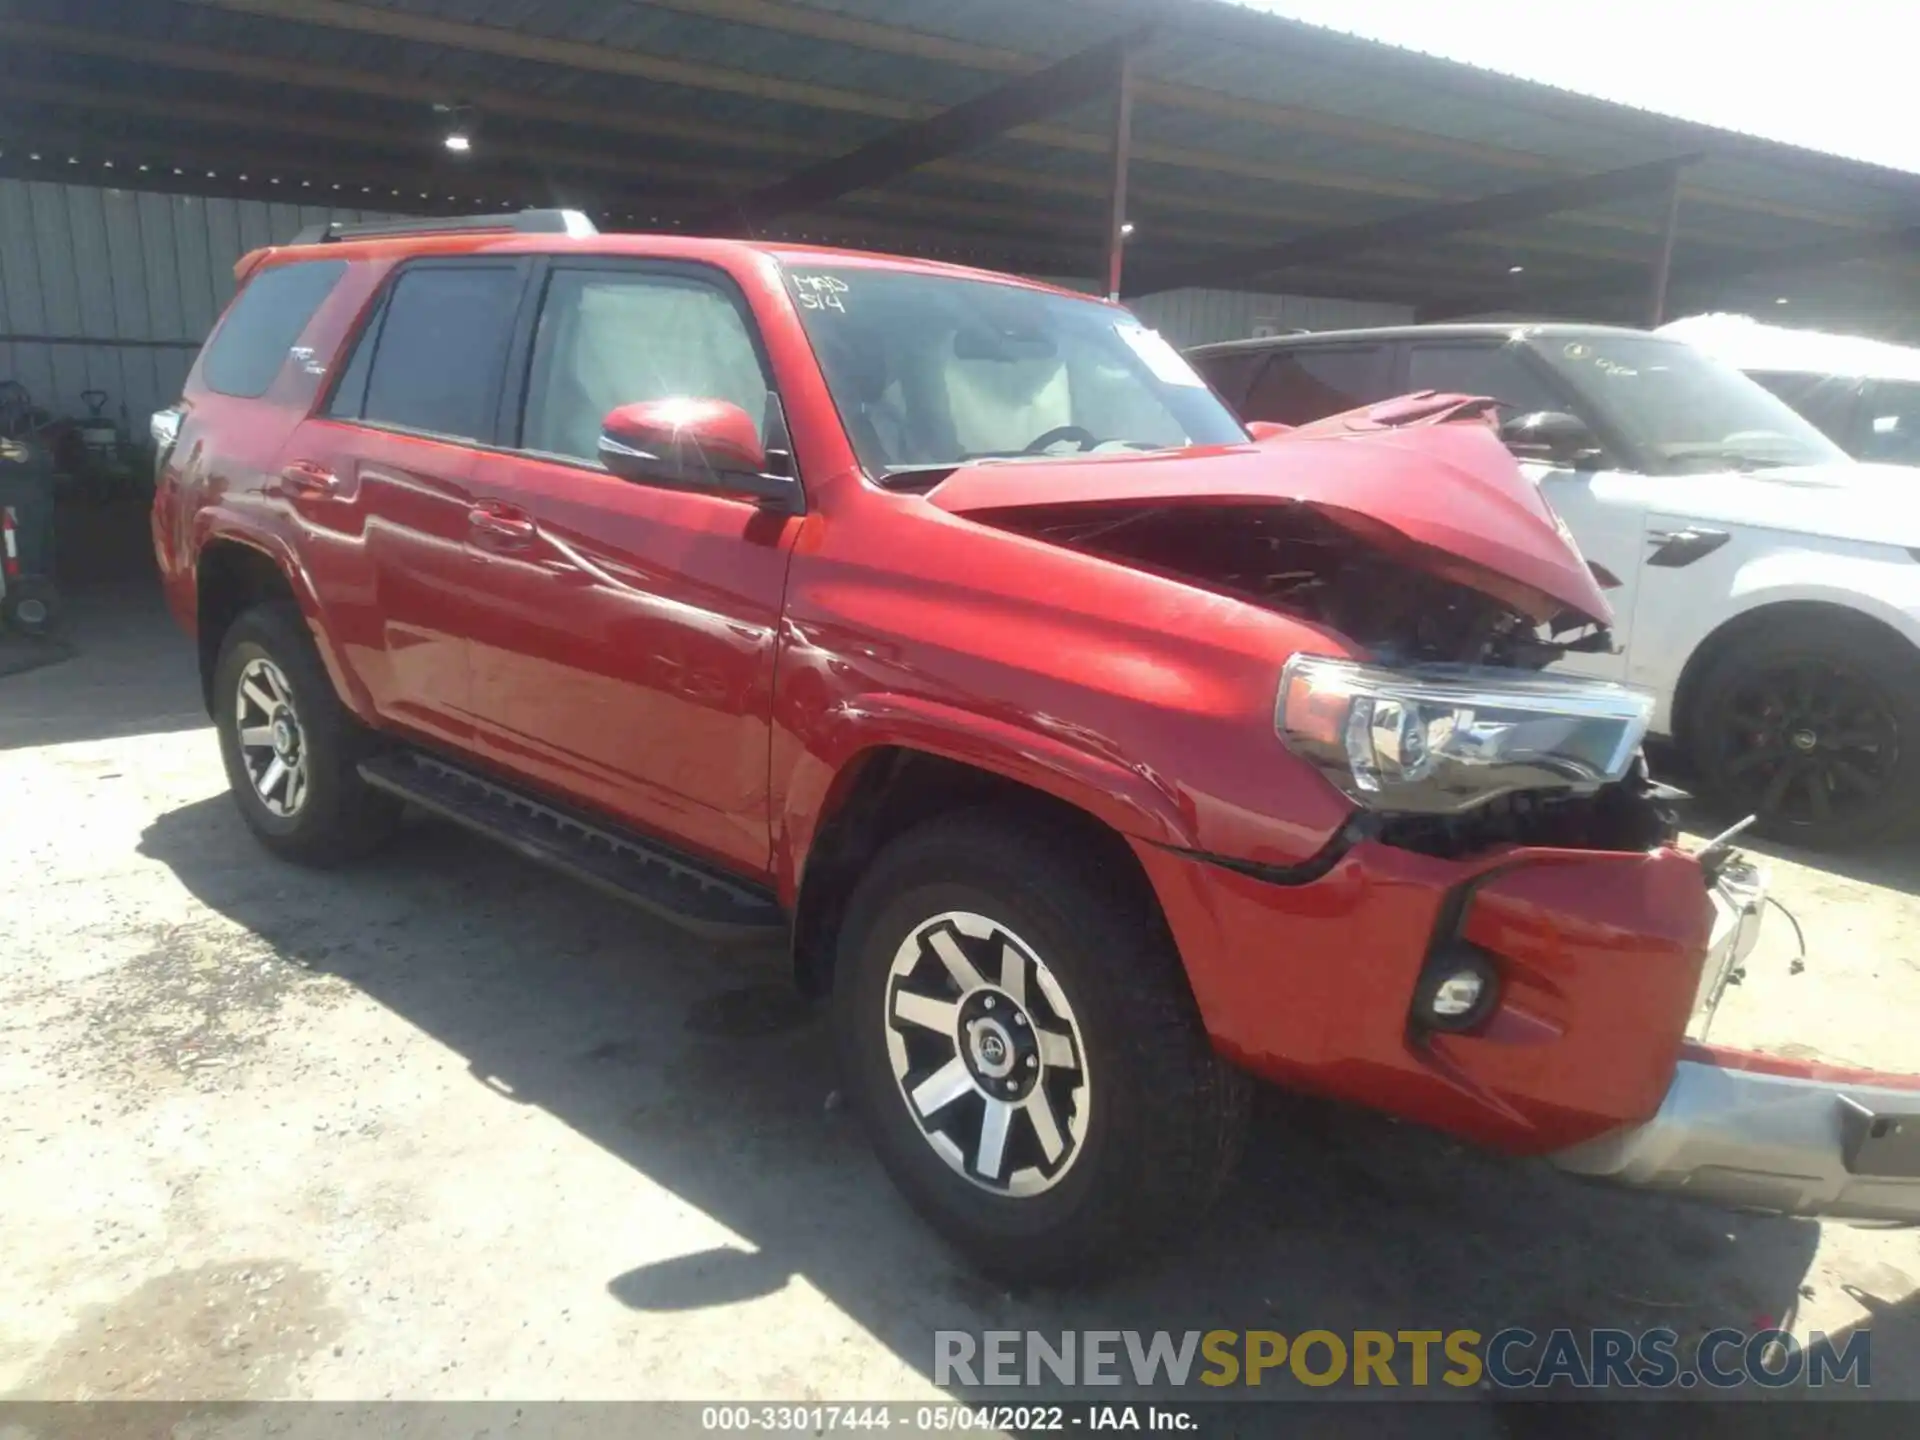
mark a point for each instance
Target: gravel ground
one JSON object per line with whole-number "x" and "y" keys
{"x": 446, "y": 1126}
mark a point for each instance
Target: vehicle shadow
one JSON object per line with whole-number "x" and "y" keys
{"x": 702, "y": 1070}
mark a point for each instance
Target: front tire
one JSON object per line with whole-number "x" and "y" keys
{"x": 1016, "y": 1030}
{"x": 291, "y": 748}
{"x": 1814, "y": 727}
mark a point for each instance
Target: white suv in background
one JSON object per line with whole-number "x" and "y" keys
{"x": 1865, "y": 394}
{"x": 1766, "y": 587}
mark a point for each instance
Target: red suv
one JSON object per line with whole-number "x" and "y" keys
{"x": 1093, "y": 754}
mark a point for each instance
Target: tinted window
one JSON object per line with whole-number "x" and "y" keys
{"x": 1826, "y": 400}
{"x": 1481, "y": 369}
{"x": 246, "y": 352}
{"x": 1890, "y": 422}
{"x": 1313, "y": 382}
{"x": 441, "y": 348}
{"x": 1229, "y": 373}
{"x": 350, "y": 393}
{"x": 608, "y": 339}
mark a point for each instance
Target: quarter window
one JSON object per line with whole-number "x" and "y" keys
{"x": 246, "y": 352}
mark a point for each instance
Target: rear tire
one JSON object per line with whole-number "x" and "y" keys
{"x": 1813, "y": 726}
{"x": 1117, "y": 1124}
{"x": 291, "y": 748}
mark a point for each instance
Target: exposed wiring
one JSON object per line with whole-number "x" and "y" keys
{"x": 1799, "y": 936}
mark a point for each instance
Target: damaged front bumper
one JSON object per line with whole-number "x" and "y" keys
{"x": 1765, "y": 1133}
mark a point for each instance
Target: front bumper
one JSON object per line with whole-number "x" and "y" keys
{"x": 1757, "y": 1132}
{"x": 1601, "y": 956}
{"x": 1752, "y": 1132}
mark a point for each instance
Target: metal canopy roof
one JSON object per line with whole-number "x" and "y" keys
{"x": 1265, "y": 154}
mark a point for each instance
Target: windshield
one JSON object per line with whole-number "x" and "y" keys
{"x": 931, "y": 371}
{"x": 1683, "y": 409}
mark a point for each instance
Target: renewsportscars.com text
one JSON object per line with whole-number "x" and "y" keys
{"x": 1509, "y": 1359}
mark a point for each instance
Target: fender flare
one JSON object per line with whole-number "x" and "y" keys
{"x": 213, "y": 527}
{"x": 1127, "y": 798}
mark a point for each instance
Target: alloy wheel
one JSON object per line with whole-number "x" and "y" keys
{"x": 987, "y": 1054}
{"x": 1808, "y": 742}
{"x": 273, "y": 747}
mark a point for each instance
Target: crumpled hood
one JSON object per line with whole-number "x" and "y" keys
{"x": 1445, "y": 497}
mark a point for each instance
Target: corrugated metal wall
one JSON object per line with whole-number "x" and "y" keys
{"x": 119, "y": 287}
{"x": 1199, "y": 317}
{"x": 115, "y": 290}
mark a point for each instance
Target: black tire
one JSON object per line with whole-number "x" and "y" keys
{"x": 1814, "y": 726}
{"x": 338, "y": 817}
{"x": 1166, "y": 1115}
{"x": 31, "y": 606}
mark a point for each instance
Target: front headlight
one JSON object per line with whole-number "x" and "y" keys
{"x": 1439, "y": 739}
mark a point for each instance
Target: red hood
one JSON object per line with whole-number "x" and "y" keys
{"x": 1430, "y": 482}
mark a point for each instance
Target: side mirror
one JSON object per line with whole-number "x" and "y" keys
{"x": 684, "y": 444}
{"x": 1553, "y": 436}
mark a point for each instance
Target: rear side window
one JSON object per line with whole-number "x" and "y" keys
{"x": 438, "y": 347}
{"x": 1313, "y": 382}
{"x": 246, "y": 352}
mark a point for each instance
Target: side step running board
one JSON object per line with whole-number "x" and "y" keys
{"x": 673, "y": 886}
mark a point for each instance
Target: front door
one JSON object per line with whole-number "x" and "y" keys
{"x": 628, "y": 656}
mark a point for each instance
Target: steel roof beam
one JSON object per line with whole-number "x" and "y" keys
{"x": 1072, "y": 82}
{"x": 1511, "y": 207}
{"x": 1613, "y": 292}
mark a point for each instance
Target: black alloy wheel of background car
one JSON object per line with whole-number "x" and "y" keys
{"x": 1814, "y": 727}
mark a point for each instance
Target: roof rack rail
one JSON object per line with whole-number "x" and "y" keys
{"x": 525, "y": 222}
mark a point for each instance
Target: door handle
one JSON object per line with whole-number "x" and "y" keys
{"x": 309, "y": 478}
{"x": 506, "y": 523}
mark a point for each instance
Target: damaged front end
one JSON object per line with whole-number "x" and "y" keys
{"x": 1408, "y": 530}
{"x": 1504, "y": 942}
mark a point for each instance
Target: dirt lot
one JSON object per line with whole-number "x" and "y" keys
{"x": 447, "y": 1126}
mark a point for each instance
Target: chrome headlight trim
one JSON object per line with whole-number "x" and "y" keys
{"x": 1442, "y": 739}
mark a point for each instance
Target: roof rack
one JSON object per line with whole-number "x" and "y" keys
{"x": 526, "y": 222}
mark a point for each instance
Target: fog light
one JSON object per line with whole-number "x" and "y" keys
{"x": 1458, "y": 989}
{"x": 1458, "y": 994}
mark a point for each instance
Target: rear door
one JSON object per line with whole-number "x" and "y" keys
{"x": 627, "y": 655}
{"x": 388, "y": 465}
{"x": 1606, "y": 510}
